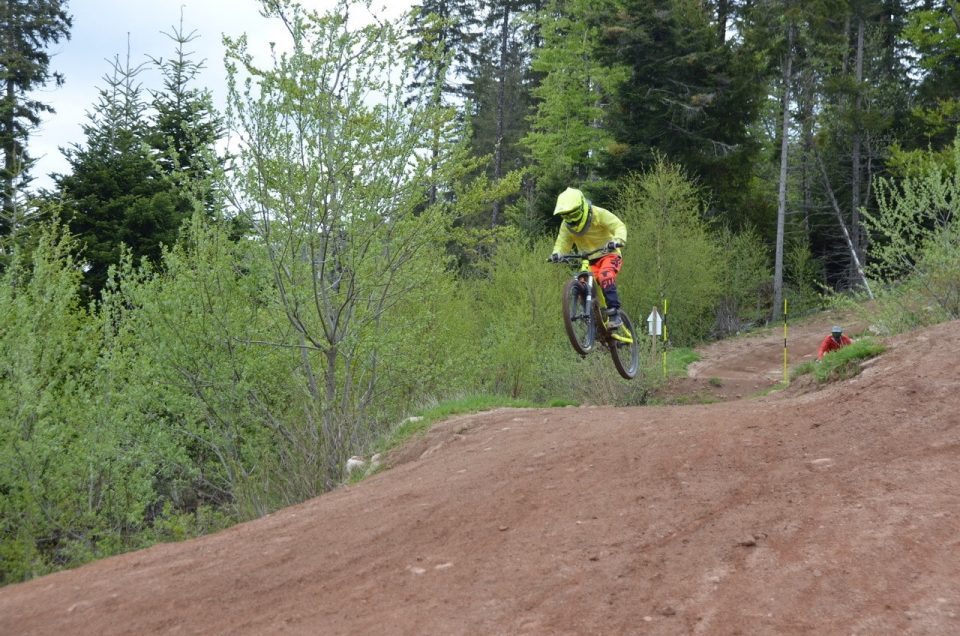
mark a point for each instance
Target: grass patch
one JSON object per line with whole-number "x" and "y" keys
{"x": 686, "y": 399}
{"x": 679, "y": 359}
{"x": 806, "y": 368}
{"x": 841, "y": 364}
{"x": 421, "y": 422}
{"x": 779, "y": 386}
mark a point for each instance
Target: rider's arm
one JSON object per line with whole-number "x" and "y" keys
{"x": 824, "y": 347}
{"x": 616, "y": 227}
{"x": 564, "y": 242}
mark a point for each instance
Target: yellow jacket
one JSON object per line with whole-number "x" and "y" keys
{"x": 602, "y": 227}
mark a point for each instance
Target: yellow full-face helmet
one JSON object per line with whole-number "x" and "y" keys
{"x": 572, "y": 208}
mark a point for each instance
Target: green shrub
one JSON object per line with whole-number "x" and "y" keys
{"x": 745, "y": 279}
{"x": 670, "y": 253}
{"x": 77, "y": 464}
{"x": 840, "y": 364}
{"x": 914, "y": 234}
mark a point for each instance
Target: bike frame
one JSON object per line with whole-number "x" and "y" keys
{"x": 585, "y": 316}
{"x": 586, "y": 278}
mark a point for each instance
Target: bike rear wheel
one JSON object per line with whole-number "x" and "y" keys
{"x": 578, "y": 318}
{"x": 626, "y": 355}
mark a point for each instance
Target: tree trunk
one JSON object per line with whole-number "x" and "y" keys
{"x": 953, "y": 11}
{"x": 806, "y": 107}
{"x": 501, "y": 108}
{"x": 855, "y": 155}
{"x": 9, "y": 162}
{"x": 843, "y": 226}
{"x": 439, "y": 79}
{"x": 723, "y": 12}
{"x": 846, "y": 49}
{"x": 782, "y": 192}
{"x": 332, "y": 433}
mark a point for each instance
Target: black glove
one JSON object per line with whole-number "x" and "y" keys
{"x": 612, "y": 245}
{"x": 555, "y": 258}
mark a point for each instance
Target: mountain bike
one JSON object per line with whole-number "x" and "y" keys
{"x": 585, "y": 317}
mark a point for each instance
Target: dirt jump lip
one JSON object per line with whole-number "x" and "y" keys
{"x": 830, "y": 511}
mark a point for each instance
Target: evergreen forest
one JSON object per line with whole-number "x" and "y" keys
{"x": 214, "y": 309}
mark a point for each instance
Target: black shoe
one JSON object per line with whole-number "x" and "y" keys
{"x": 614, "y": 322}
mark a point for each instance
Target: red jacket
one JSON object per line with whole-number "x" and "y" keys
{"x": 829, "y": 344}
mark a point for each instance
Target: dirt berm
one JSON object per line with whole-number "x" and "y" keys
{"x": 831, "y": 510}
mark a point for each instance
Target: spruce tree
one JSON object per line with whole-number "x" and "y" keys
{"x": 145, "y": 166}
{"x": 186, "y": 126}
{"x": 690, "y": 96}
{"x": 570, "y": 134}
{"x": 27, "y": 27}
{"x": 501, "y": 86}
{"x": 115, "y": 193}
{"x": 445, "y": 35}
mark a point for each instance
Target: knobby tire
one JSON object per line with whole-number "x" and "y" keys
{"x": 626, "y": 356}
{"x": 578, "y": 320}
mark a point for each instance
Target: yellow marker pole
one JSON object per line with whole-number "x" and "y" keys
{"x": 786, "y": 374}
{"x": 665, "y": 304}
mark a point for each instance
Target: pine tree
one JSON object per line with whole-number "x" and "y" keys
{"x": 500, "y": 88}
{"x": 27, "y": 27}
{"x": 933, "y": 32}
{"x": 570, "y": 133}
{"x": 691, "y": 96}
{"x": 186, "y": 126}
{"x": 115, "y": 193}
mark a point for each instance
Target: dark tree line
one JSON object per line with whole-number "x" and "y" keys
{"x": 784, "y": 113}
{"x": 583, "y": 93}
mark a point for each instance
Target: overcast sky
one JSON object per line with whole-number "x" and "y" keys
{"x": 100, "y": 32}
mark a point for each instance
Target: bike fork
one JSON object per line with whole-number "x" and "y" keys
{"x": 587, "y": 283}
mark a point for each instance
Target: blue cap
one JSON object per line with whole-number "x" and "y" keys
{"x": 836, "y": 329}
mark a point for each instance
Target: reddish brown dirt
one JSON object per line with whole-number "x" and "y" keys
{"x": 830, "y": 510}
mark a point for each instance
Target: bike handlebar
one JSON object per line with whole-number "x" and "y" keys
{"x": 572, "y": 258}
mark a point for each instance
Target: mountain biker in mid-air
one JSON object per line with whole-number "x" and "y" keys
{"x": 589, "y": 228}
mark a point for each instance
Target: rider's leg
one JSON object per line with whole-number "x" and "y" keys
{"x": 613, "y": 306}
{"x": 605, "y": 270}
{"x": 610, "y": 293}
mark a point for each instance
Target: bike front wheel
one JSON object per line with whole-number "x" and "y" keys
{"x": 578, "y": 318}
{"x": 625, "y": 349}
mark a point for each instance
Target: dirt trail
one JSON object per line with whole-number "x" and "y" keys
{"x": 751, "y": 364}
{"x": 833, "y": 511}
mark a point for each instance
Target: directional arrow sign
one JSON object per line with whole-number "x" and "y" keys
{"x": 654, "y": 323}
